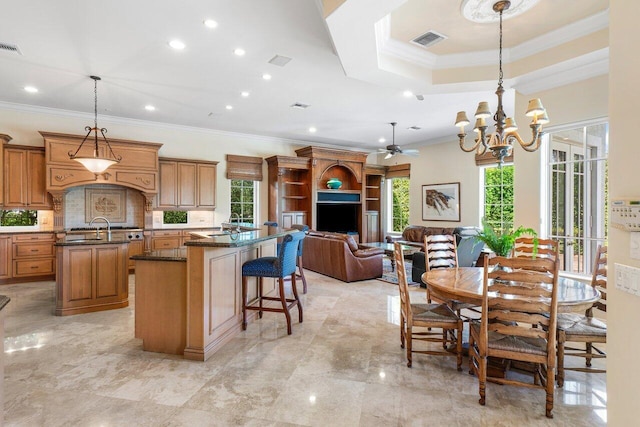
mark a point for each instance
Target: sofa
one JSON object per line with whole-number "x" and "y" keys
{"x": 341, "y": 257}
{"x": 468, "y": 247}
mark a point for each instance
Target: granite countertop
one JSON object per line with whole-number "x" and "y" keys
{"x": 4, "y": 300}
{"x": 176, "y": 254}
{"x": 232, "y": 239}
{"x": 85, "y": 242}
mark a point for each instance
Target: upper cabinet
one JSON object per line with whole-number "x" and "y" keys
{"x": 24, "y": 178}
{"x": 187, "y": 184}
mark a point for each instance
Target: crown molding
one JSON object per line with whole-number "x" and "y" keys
{"x": 407, "y": 52}
{"x": 574, "y": 70}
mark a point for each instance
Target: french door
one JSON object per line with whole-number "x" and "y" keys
{"x": 578, "y": 194}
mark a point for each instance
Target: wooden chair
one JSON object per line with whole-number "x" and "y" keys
{"x": 441, "y": 252}
{"x": 279, "y": 267}
{"x": 585, "y": 328}
{"x": 547, "y": 248}
{"x": 428, "y": 316}
{"x": 523, "y": 293}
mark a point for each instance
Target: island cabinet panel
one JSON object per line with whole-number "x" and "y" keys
{"x": 214, "y": 294}
{"x": 91, "y": 277}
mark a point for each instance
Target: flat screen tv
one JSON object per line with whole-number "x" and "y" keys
{"x": 337, "y": 218}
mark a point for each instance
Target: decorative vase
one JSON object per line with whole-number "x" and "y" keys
{"x": 334, "y": 183}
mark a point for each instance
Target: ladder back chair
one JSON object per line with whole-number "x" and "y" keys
{"x": 518, "y": 294}
{"x": 585, "y": 328}
{"x": 426, "y": 316}
{"x": 524, "y": 246}
{"x": 440, "y": 251}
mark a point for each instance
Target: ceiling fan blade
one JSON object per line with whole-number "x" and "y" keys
{"x": 388, "y": 156}
{"x": 411, "y": 152}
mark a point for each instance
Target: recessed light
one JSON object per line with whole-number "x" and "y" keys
{"x": 229, "y": 107}
{"x": 239, "y": 51}
{"x": 381, "y": 140}
{"x": 407, "y": 93}
{"x": 210, "y": 23}
{"x": 31, "y": 89}
{"x": 150, "y": 108}
{"x": 244, "y": 94}
{"x": 312, "y": 129}
{"x": 177, "y": 44}
{"x": 266, "y": 76}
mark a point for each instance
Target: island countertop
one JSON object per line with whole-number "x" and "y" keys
{"x": 232, "y": 239}
{"x": 175, "y": 254}
{"x": 71, "y": 241}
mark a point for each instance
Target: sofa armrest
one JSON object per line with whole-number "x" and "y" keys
{"x": 392, "y": 239}
{"x": 367, "y": 252}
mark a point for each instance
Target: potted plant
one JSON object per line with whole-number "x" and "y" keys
{"x": 502, "y": 242}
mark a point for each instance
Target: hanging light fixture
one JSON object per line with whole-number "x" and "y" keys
{"x": 96, "y": 163}
{"x": 501, "y": 141}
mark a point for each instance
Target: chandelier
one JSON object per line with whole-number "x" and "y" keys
{"x": 501, "y": 141}
{"x": 96, "y": 163}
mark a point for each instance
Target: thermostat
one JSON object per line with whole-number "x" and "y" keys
{"x": 625, "y": 214}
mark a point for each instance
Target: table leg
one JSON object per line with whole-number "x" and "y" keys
{"x": 393, "y": 264}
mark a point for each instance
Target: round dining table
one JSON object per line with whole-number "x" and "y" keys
{"x": 464, "y": 284}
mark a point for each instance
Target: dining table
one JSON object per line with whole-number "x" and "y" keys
{"x": 464, "y": 284}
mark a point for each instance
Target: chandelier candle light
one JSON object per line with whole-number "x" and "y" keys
{"x": 96, "y": 163}
{"x": 501, "y": 141}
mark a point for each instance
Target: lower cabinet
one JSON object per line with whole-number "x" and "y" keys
{"x": 372, "y": 229}
{"x": 27, "y": 256}
{"x": 290, "y": 218}
{"x": 91, "y": 278}
{"x": 136, "y": 247}
{"x": 166, "y": 239}
{"x": 5, "y": 257}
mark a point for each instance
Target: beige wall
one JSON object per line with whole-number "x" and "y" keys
{"x": 623, "y": 375}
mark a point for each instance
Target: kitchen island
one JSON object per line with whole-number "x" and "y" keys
{"x": 91, "y": 275}
{"x": 207, "y": 276}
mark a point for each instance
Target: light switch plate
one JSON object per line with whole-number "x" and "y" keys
{"x": 627, "y": 278}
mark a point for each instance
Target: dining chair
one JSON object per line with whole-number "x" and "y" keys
{"x": 441, "y": 252}
{"x": 278, "y": 267}
{"x": 578, "y": 328}
{"x": 425, "y": 316}
{"x": 547, "y": 248}
{"x": 518, "y": 293}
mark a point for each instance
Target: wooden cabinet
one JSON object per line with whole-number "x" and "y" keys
{"x": 374, "y": 178}
{"x": 5, "y": 257}
{"x": 136, "y": 247}
{"x": 91, "y": 278}
{"x": 166, "y": 239}
{"x": 187, "y": 184}
{"x": 25, "y": 256}
{"x": 289, "y": 190}
{"x": 24, "y": 179}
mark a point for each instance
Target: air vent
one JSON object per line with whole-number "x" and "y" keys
{"x": 279, "y": 60}
{"x": 414, "y": 128}
{"x": 8, "y": 47}
{"x": 299, "y": 105}
{"x": 429, "y": 38}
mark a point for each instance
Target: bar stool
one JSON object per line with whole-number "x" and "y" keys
{"x": 282, "y": 265}
{"x": 300, "y": 273}
{"x": 271, "y": 223}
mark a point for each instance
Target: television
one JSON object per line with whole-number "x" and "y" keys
{"x": 337, "y": 218}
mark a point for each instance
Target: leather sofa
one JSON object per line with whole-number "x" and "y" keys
{"x": 339, "y": 256}
{"x": 468, "y": 247}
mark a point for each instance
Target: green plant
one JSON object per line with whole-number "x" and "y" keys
{"x": 502, "y": 242}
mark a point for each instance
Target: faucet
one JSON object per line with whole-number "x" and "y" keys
{"x": 238, "y": 220}
{"x": 98, "y": 228}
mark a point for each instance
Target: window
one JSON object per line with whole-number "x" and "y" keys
{"x": 498, "y": 196}
{"x": 578, "y": 187}
{"x": 18, "y": 217}
{"x": 243, "y": 200}
{"x": 175, "y": 217}
{"x": 400, "y": 203}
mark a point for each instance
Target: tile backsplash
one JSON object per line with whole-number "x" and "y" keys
{"x": 75, "y": 207}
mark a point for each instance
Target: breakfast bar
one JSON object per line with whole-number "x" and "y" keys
{"x": 188, "y": 301}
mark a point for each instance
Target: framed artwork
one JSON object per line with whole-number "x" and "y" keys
{"x": 111, "y": 204}
{"x": 441, "y": 202}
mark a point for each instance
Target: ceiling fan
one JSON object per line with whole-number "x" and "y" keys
{"x": 394, "y": 149}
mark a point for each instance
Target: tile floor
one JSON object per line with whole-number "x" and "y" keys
{"x": 342, "y": 367}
